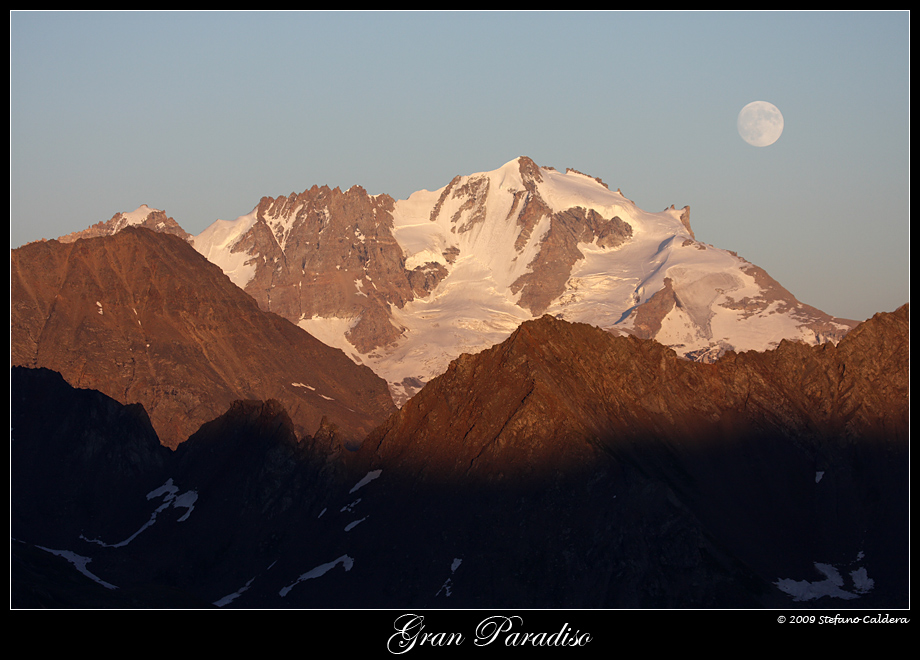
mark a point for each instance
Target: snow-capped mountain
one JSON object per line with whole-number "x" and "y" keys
{"x": 142, "y": 216}
{"x": 406, "y": 286}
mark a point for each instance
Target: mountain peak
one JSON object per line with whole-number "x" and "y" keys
{"x": 143, "y": 216}
{"x": 492, "y": 249}
{"x": 145, "y": 318}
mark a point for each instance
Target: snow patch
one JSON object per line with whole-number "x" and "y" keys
{"x": 350, "y": 526}
{"x": 168, "y": 492}
{"x": 369, "y": 477}
{"x": 330, "y": 330}
{"x": 226, "y": 600}
{"x": 448, "y": 586}
{"x": 217, "y": 241}
{"x": 137, "y": 216}
{"x": 346, "y": 561}
{"x": 350, "y": 507}
{"x": 80, "y": 564}
{"x": 831, "y": 586}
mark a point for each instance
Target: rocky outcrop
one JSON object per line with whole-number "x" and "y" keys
{"x": 327, "y": 253}
{"x": 649, "y": 315}
{"x": 144, "y": 318}
{"x": 685, "y": 220}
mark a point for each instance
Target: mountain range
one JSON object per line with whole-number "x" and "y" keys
{"x": 520, "y": 389}
{"x": 406, "y": 286}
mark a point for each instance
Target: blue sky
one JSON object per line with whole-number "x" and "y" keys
{"x": 202, "y": 114}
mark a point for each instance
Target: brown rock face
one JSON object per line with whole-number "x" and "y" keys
{"x": 329, "y": 253}
{"x": 557, "y": 394}
{"x": 650, "y": 314}
{"x": 144, "y": 318}
{"x": 856, "y": 389}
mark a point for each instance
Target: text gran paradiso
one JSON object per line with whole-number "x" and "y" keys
{"x": 494, "y": 630}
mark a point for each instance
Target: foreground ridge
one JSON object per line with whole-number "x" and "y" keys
{"x": 564, "y": 467}
{"x": 556, "y": 393}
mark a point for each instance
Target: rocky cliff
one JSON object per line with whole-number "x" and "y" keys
{"x": 325, "y": 253}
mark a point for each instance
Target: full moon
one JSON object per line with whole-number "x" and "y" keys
{"x": 760, "y": 123}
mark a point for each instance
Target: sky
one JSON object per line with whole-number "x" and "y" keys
{"x": 201, "y": 114}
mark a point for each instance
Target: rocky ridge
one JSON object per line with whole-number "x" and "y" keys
{"x": 768, "y": 469}
{"x": 554, "y": 386}
{"x": 144, "y": 318}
